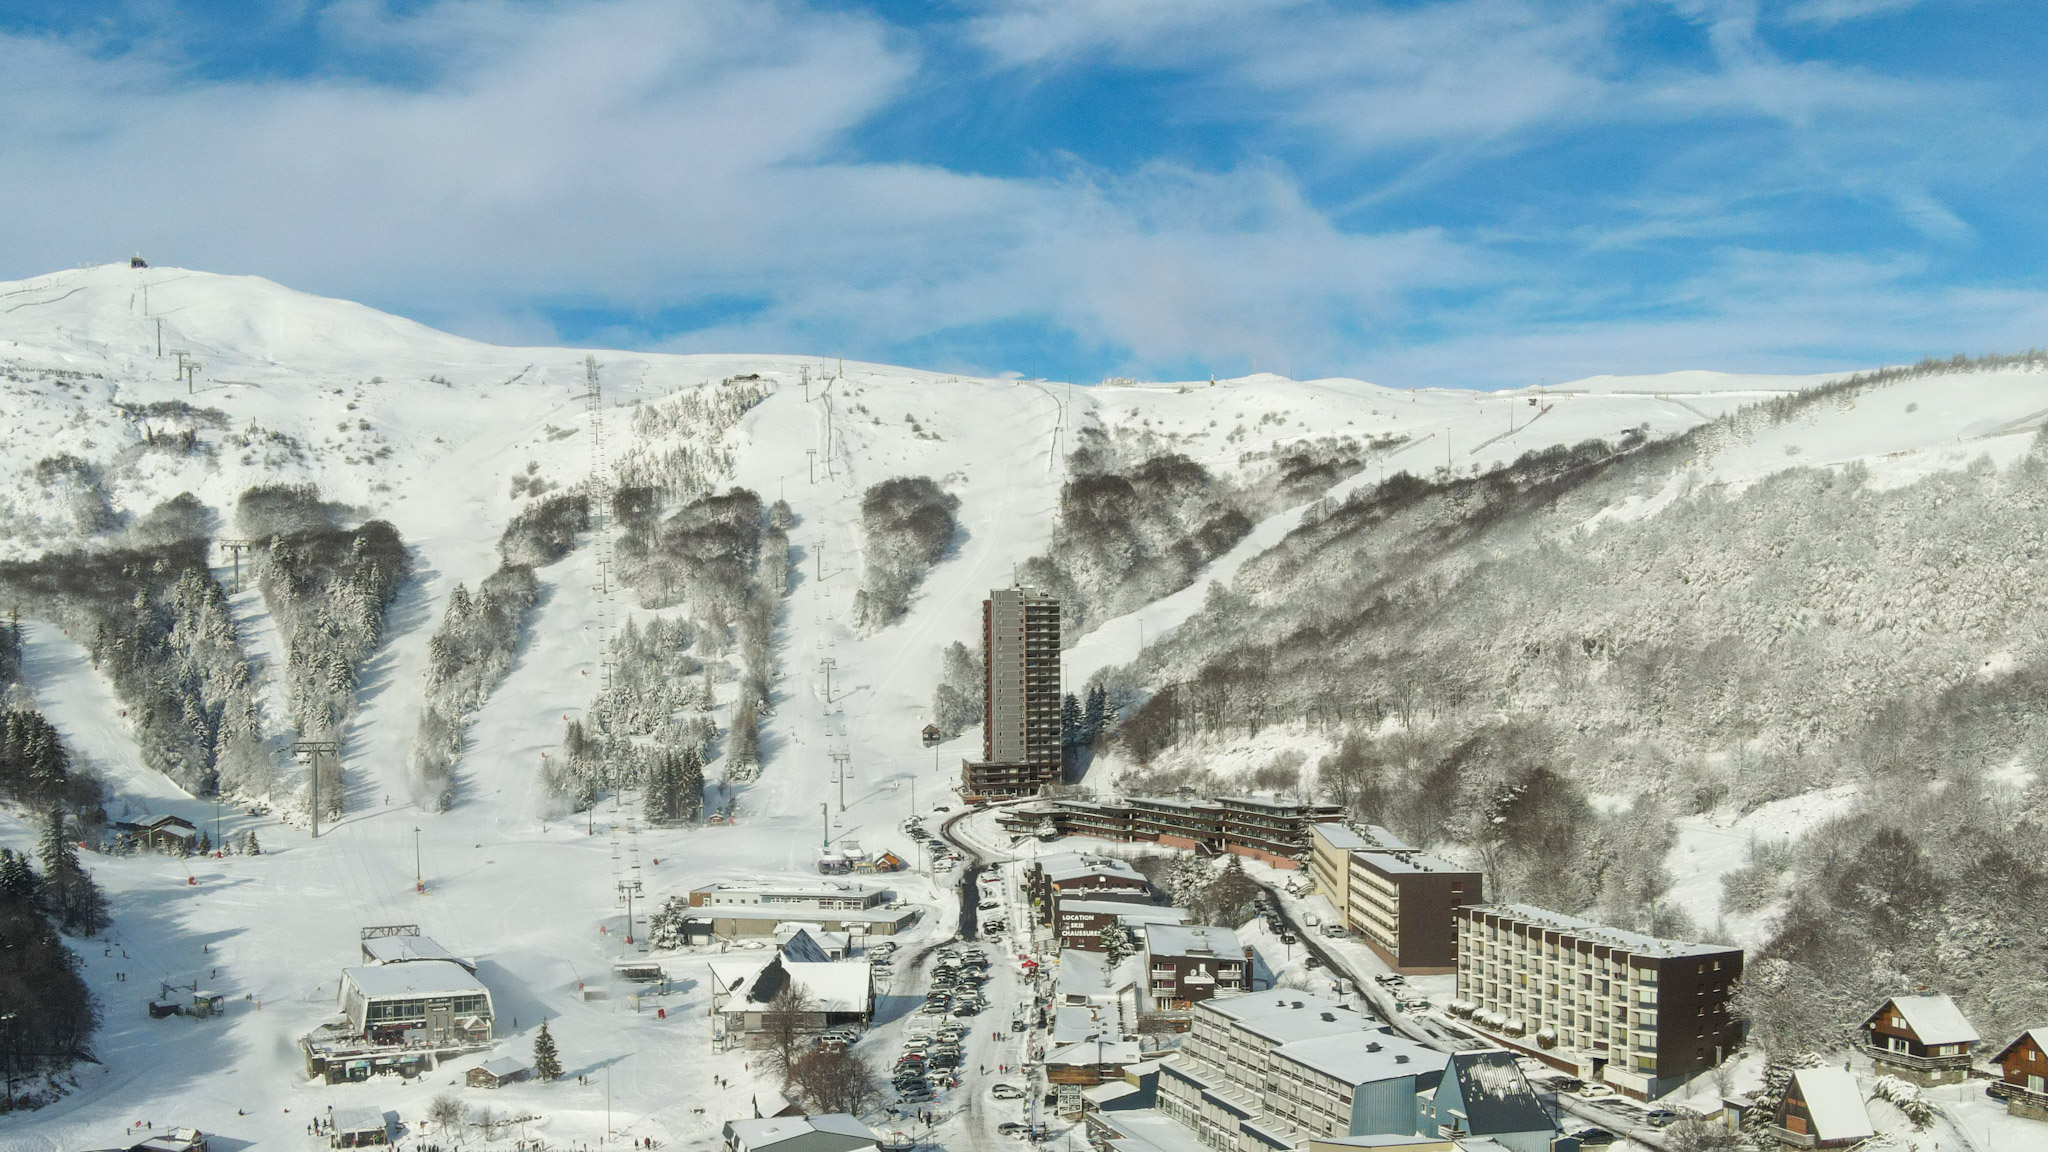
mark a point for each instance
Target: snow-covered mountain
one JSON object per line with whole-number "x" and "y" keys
{"x": 1398, "y": 577}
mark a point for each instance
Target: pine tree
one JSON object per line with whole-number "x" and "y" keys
{"x": 662, "y": 789}
{"x": 1187, "y": 880}
{"x": 75, "y": 901}
{"x": 249, "y": 845}
{"x": 205, "y": 844}
{"x": 547, "y": 1065}
{"x": 18, "y": 881}
{"x": 690, "y": 786}
{"x": 1070, "y": 721}
{"x": 1093, "y": 716}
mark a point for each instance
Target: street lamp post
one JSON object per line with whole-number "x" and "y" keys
{"x": 419, "y": 879}
{"x": 7, "y": 1019}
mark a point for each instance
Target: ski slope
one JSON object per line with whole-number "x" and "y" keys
{"x": 428, "y": 430}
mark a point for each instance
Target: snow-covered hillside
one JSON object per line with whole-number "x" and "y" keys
{"x": 448, "y": 439}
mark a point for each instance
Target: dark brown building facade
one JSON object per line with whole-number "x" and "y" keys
{"x": 1644, "y": 1013}
{"x": 1020, "y": 719}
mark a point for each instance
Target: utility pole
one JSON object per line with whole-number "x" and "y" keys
{"x": 181, "y": 361}
{"x": 419, "y": 879}
{"x": 159, "y": 337}
{"x": 820, "y": 557}
{"x": 807, "y": 383}
{"x": 811, "y": 456}
{"x": 7, "y": 1020}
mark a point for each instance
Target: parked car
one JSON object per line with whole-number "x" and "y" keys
{"x": 1288, "y": 938}
{"x": 1661, "y": 1117}
{"x": 1312, "y": 960}
{"x": 1594, "y": 1091}
{"x": 1006, "y": 1092}
{"x": 1013, "y": 1130}
{"x": 1594, "y": 1137}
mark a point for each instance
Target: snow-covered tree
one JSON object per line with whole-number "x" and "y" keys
{"x": 547, "y": 1064}
{"x": 75, "y": 902}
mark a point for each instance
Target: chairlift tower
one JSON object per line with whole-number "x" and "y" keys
{"x": 601, "y": 491}
{"x": 312, "y": 753}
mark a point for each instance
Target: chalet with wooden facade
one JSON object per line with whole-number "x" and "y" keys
{"x": 1073, "y": 875}
{"x": 2023, "y": 1075}
{"x": 1922, "y": 1038}
{"x": 1823, "y": 1108}
{"x": 1186, "y": 964}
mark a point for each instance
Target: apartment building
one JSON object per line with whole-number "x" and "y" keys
{"x": 1271, "y": 1070}
{"x": 1187, "y": 964}
{"x": 1020, "y": 648}
{"x": 1398, "y": 899}
{"x": 1643, "y": 1013}
{"x": 1275, "y": 831}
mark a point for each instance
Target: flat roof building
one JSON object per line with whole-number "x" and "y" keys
{"x": 1644, "y": 1013}
{"x": 426, "y": 1001}
{"x": 1020, "y": 647}
{"x": 1398, "y": 899}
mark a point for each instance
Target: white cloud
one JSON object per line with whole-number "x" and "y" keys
{"x": 1841, "y": 11}
{"x": 635, "y": 155}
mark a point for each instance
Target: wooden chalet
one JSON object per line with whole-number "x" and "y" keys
{"x": 1823, "y": 1108}
{"x": 172, "y": 834}
{"x": 1922, "y": 1038}
{"x": 2023, "y": 1079}
{"x": 497, "y": 1073}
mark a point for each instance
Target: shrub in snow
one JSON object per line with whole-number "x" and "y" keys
{"x": 545, "y": 532}
{"x": 906, "y": 526}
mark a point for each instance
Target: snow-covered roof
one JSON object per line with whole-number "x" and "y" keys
{"x": 1340, "y": 837}
{"x": 1094, "y": 1052}
{"x": 359, "y": 1120}
{"x": 1355, "y": 1060}
{"x": 1089, "y": 974}
{"x": 1255, "y": 1005}
{"x": 1102, "y": 867}
{"x": 504, "y": 1066}
{"x": 1192, "y": 940}
{"x": 771, "y": 1131}
{"x": 836, "y": 986}
{"x": 418, "y": 978}
{"x": 821, "y": 889}
{"x": 1128, "y": 909}
{"x": 1597, "y": 933}
{"x": 399, "y": 949}
{"x": 1834, "y": 1102}
{"x": 1108, "y": 1091}
{"x": 1935, "y": 1019}
{"x": 1073, "y": 1023}
{"x": 1403, "y": 862}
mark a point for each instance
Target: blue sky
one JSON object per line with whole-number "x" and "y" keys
{"x": 1473, "y": 193}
